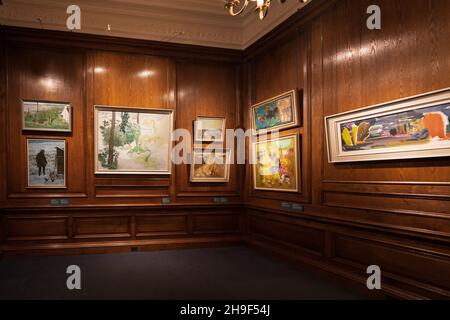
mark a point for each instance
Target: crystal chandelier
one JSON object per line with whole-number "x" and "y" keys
{"x": 235, "y": 7}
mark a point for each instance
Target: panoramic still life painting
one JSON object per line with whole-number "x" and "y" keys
{"x": 209, "y": 129}
{"x": 46, "y": 163}
{"x": 405, "y": 132}
{"x": 210, "y": 166}
{"x": 276, "y": 164}
{"x": 276, "y": 114}
{"x": 132, "y": 141}
{"x": 46, "y": 116}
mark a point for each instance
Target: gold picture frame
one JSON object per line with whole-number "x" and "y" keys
{"x": 204, "y": 170}
{"x": 276, "y": 164}
{"x": 277, "y": 113}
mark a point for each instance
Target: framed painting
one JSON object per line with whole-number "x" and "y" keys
{"x": 132, "y": 141}
{"x": 209, "y": 129}
{"x": 276, "y": 165}
{"x": 415, "y": 127}
{"x": 210, "y": 166}
{"x": 46, "y": 162}
{"x": 278, "y": 113}
{"x": 46, "y": 116}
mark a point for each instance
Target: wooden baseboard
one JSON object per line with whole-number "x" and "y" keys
{"x": 121, "y": 246}
{"x": 328, "y": 270}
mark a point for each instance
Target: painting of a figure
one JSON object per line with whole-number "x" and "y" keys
{"x": 132, "y": 141}
{"x": 46, "y": 116}
{"x": 277, "y": 113}
{"x": 276, "y": 164}
{"x": 46, "y": 163}
{"x": 210, "y": 166}
{"x": 430, "y": 125}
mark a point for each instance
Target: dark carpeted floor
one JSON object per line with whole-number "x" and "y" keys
{"x": 218, "y": 273}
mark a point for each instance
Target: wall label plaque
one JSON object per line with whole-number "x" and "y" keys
{"x": 59, "y": 202}
{"x": 295, "y": 207}
{"x": 220, "y": 200}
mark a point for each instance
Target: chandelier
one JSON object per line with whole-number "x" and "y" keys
{"x": 235, "y": 7}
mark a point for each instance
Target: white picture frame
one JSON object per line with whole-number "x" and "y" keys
{"x": 435, "y": 103}
{"x": 164, "y": 116}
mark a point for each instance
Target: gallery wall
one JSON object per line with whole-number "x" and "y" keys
{"x": 101, "y": 210}
{"x": 394, "y": 214}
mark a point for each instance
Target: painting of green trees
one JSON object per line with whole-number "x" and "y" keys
{"x": 129, "y": 141}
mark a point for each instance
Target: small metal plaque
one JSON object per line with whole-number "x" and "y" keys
{"x": 59, "y": 202}
{"x": 297, "y": 207}
{"x": 64, "y": 202}
{"x": 286, "y": 205}
{"x": 220, "y": 200}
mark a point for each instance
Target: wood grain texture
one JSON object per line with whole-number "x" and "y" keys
{"x": 210, "y": 90}
{"x": 119, "y": 209}
{"x": 272, "y": 73}
{"x": 351, "y": 67}
{"x": 395, "y": 213}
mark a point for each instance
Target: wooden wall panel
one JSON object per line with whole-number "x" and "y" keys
{"x": 158, "y": 225}
{"x": 132, "y": 80}
{"x": 139, "y": 81}
{"x": 50, "y": 228}
{"x": 87, "y": 78}
{"x": 101, "y": 227}
{"x": 405, "y": 57}
{"x": 404, "y": 263}
{"x": 206, "y": 89}
{"x": 279, "y": 69}
{"x": 411, "y": 269}
{"x": 402, "y": 56}
{"x": 110, "y": 211}
{"x": 217, "y": 223}
{"x": 351, "y": 67}
{"x": 48, "y": 75}
{"x": 348, "y": 67}
{"x": 395, "y": 212}
{"x": 304, "y": 238}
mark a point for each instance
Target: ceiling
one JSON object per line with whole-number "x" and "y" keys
{"x": 200, "y": 22}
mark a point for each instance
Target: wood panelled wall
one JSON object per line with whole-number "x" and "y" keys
{"x": 395, "y": 214}
{"x": 112, "y": 212}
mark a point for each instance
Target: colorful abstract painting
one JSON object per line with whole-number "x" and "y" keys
{"x": 430, "y": 125}
{"x": 276, "y": 164}
{"x": 46, "y": 163}
{"x": 417, "y": 128}
{"x": 46, "y": 116}
{"x": 277, "y": 113}
{"x": 133, "y": 141}
{"x": 208, "y": 166}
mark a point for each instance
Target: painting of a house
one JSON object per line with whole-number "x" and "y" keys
{"x": 46, "y": 116}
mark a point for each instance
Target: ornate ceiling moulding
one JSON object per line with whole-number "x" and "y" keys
{"x": 195, "y": 22}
